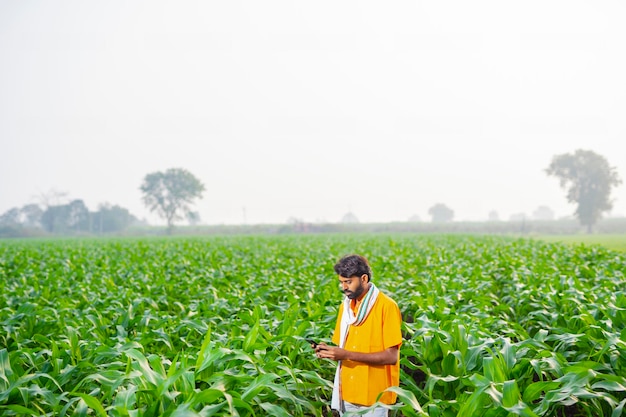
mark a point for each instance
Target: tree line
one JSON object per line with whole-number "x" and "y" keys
{"x": 170, "y": 194}
{"x": 587, "y": 177}
{"x": 73, "y": 218}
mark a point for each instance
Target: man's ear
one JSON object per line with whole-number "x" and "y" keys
{"x": 365, "y": 277}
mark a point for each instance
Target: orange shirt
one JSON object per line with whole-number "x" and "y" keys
{"x": 361, "y": 383}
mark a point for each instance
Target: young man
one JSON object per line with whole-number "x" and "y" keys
{"x": 368, "y": 336}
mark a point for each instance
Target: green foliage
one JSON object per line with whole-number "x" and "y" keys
{"x": 615, "y": 242}
{"x": 216, "y": 326}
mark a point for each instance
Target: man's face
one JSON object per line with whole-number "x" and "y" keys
{"x": 353, "y": 287}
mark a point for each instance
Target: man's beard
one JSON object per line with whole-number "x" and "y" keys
{"x": 353, "y": 295}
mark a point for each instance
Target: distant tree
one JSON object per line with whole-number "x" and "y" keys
{"x": 10, "y": 217}
{"x": 414, "y": 219}
{"x": 31, "y": 215}
{"x": 543, "y": 213}
{"x": 111, "y": 219}
{"x": 9, "y": 223}
{"x": 77, "y": 216}
{"x": 193, "y": 218}
{"x": 53, "y": 210}
{"x": 590, "y": 179}
{"x": 171, "y": 193}
{"x": 53, "y": 218}
{"x": 349, "y": 217}
{"x": 73, "y": 217}
{"x": 440, "y": 213}
{"x": 493, "y": 216}
{"x": 20, "y": 222}
{"x": 63, "y": 218}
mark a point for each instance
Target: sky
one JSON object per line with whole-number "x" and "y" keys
{"x": 310, "y": 110}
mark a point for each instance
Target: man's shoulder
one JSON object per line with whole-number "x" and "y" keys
{"x": 385, "y": 299}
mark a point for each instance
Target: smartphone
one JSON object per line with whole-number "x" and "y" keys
{"x": 313, "y": 342}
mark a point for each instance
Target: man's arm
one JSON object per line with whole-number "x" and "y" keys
{"x": 385, "y": 357}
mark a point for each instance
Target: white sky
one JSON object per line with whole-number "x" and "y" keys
{"x": 310, "y": 109}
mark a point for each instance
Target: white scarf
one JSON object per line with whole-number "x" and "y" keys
{"x": 348, "y": 318}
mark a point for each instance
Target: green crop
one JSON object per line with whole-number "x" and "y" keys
{"x": 217, "y": 326}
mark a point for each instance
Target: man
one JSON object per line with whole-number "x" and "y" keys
{"x": 368, "y": 336}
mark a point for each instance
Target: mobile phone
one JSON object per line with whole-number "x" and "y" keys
{"x": 313, "y": 342}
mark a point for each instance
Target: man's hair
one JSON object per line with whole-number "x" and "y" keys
{"x": 353, "y": 265}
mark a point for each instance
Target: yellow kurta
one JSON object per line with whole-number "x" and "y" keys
{"x": 361, "y": 383}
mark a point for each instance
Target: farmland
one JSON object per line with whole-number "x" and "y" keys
{"x": 215, "y": 326}
{"x": 612, "y": 241}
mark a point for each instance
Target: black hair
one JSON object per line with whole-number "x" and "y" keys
{"x": 353, "y": 266}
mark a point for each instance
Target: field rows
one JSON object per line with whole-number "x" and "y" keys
{"x": 216, "y": 326}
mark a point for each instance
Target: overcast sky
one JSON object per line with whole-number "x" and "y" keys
{"x": 310, "y": 109}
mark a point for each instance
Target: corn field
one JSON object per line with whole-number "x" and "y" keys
{"x": 216, "y": 326}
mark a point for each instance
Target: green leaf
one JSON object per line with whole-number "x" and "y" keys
{"x": 21, "y": 410}
{"x": 617, "y": 412}
{"x": 148, "y": 373}
{"x": 207, "y": 396}
{"x": 275, "y": 410}
{"x": 92, "y": 403}
{"x": 493, "y": 369}
{"x": 408, "y": 398}
{"x": 183, "y": 410}
{"x": 251, "y": 337}
{"x": 203, "y": 348}
{"x": 510, "y": 394}
{"x": 256, "y": 386}
{"x": 6, "y": 373}
{"x": 534, "y": 390}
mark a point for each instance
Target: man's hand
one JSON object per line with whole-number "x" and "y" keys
{"x": 331, "y": 352}
{"x": 385, "y": 357}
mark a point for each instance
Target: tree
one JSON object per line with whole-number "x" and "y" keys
{"x": 53, "y": 209}
{"x": 349, "y": 217}
{"x": 414, "y": 219}
{"x": 171, "y": 193}
{"x": 590, "y": 179}
{"x": 78, "y": 216}
{"x": 10, "y": 217}
{"x": 31, "y": 215}
{"x": 62, "y": 218}
{"x": 53, "y": 218}
{"x": 441, "y": 213}
{"x": 543, "y": 213}
{"x": 109, "y": 219}
{"x": 193, "y": 218}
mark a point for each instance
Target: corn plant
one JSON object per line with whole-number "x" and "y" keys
{"x": 216, "y": 326}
